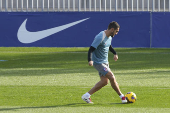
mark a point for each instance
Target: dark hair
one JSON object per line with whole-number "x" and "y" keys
{"x": 114, "y": 25}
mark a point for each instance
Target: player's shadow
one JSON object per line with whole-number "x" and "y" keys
{"x": 39, "y": 107}
{"x": 118, "y": 103}
{"x": 55, "y": 106}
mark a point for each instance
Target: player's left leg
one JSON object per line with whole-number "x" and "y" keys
{"x": 113, "y": 82}
{"x": 115, "y": 86}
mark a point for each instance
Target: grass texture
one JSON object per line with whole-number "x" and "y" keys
{"x": 52, "y": 80}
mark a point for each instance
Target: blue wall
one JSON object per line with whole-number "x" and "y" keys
{"x": 81, "y": 27}
{"x": 161, "y": 30}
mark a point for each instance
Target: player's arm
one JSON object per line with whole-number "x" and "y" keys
{"x": 114, "y": 52}
{"x": 91, "y": 49}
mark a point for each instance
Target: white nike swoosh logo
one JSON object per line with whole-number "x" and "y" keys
{"x": 25, "y": 36}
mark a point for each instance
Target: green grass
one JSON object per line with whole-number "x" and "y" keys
{"x": 50, "y": 80}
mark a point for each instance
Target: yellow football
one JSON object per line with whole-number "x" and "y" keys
{"x": 130, "y": 97}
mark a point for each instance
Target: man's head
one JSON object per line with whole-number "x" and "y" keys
{"x": 113, "y": 28}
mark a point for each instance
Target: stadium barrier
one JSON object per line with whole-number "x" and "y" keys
{"x": 78, "y": 29}
{"x": 84, "y": 5}
{"x": 160, "y": 36}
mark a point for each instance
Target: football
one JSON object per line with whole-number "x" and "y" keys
{"x": 130, "y": 97}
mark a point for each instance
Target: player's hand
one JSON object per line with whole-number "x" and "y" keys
{"x": 90, "y": 63}
{"x": 115, "y": 57}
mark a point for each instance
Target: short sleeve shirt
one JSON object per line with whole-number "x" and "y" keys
{"x": 101, "y": 44}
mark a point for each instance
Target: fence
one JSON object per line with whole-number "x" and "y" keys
{"x": 84, "y": 5}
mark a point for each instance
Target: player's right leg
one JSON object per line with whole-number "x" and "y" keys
{"x": 103, "y": 81}
{"x": 86, "y": 98}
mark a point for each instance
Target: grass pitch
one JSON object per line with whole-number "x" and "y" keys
{"x": 48, "y": 80}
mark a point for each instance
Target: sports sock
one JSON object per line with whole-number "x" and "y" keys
{"x": 87, "y": 95}
{"x": 122, "y": 95}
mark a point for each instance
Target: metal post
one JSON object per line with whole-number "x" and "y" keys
{"x": 84, "y": 5}
{"x": 164, "y": 5}
{"x": 169, "y": 5}
{"x": 142, "y": 5}
{"x": 17, "y": 5}
{"x": 132, "y": 5}
{"x": 148, "y": 5}
{"x": 42, "y": 5}
{"x": 48, "y": 5}
{"x": 6, "y": 6}
{"x": 111, "y": 5}
{"x": 100, "y": 5}
{"x": 58, "y": 5}
{"x": 68, "y": 5}
{"x": 53, "y": 5}
{"x": 115, "y": 5}
{"x": 137, "y": 7}
{"x": 153, "y": 5}
{"x": 79, "y": 6}
{"x": 0, "y": 5}
{"x": 22, "y": 5}
{"x": 12, "y": 5}
{"x": 94, "y": 5}
{"x": 121, "y": 5}
{"x": 105, "y": 5}
{"x": 89, "y": 5}
{"x": 63, "y": 5}
{"x": 73, "y": 5}
{"x": 27, "y": 5}
{"x": 126, "y": 5}
{"x": 32, "y": 6}
{"x": 159, "y": 5}
{"x": 37, "y": 5}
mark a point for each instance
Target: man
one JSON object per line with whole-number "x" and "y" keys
{"x": 98, "y": 57}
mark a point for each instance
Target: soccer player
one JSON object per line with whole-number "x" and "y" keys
{"x": 98, "y": 58}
